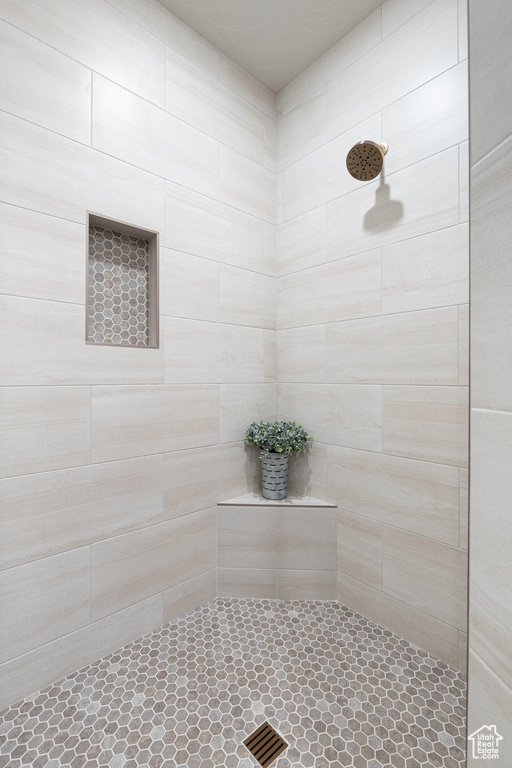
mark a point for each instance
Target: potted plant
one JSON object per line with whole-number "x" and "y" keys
{"x": 276, "y": 441}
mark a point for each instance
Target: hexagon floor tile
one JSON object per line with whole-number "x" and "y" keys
{"x": 342, "y": 691}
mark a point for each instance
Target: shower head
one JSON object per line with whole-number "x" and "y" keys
{"x": 365, "y": 160}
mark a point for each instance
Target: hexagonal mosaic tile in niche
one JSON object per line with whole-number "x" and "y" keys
{"x": 118, "y": 288}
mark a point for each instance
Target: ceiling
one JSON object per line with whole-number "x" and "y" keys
{"x": 274, "y": 40}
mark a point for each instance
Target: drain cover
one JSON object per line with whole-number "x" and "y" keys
{"x": 265, "y": 744}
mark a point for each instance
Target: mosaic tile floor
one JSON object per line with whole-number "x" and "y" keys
{"x": 341, "y": 690}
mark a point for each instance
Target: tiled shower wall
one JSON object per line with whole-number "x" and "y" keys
{"x": 114, "y": 458}
{"x": 490, "y": 607}
{"x": 373, "y": 309}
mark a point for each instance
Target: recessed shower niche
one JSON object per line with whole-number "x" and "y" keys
{"x": 122, "y": 284}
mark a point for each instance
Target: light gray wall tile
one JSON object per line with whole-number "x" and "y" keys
{"x": 490, "y": 573}
{"x": 306, "y": 585}
{"x": 410, "y": 202}
{"x": 340, "y": 290}
{"x": 41, "y": 257}
{"x": 129, "y": 128}
{"x": 44, "y": 86}
{"x": 46, "y": 346}
{"x": 135, "y": 566}
{"x": 246, "y": 582}
{"x": 491, "y": 322}
{"x": 428, "y": 423}
{"x": 51, "y": 512}
{"x": 407, "y": 348}
{"x": 277, "y": 537}
{"x": 412, "y": 495}
{"x": 100, "y": 37}
{"x": 50, "y": 662}
{"x": 360, "y": 548}
{"x": 429, "y": 575}
{"x": 416, "y": 52}
{"x": 137, "y": 421}
{"x": 241, "y": 404}
{"x": 43, "y": 428}
{"x": 201, "y": 100}
{"x": 43, "y": 600}
{"x": 189, "y": 595}
{"x": 428, "y": 633}
{"x": 426, "y": 271}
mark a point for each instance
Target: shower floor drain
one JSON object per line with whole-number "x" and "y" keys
{"x": 265, "y": 744}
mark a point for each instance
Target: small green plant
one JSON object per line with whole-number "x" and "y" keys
{"x": 280, "y": 437}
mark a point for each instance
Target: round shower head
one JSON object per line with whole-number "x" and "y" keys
{"x": 365, "y": 160}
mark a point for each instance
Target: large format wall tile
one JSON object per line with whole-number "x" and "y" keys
{"x": 58, "y": 658}
{"x": 42, "y": 85}
{"x": 409, "y": 348}
{"x": 311, "y": 182}
{"x": 41, "y": 257}
{"x": 248, "y": 87}
{"x": 129, "y": 128}
{"x": 396, "y": 13}
{"x": 197, "y": 224}
{"x": 55, "y": 175}
{"x": 341, "y": 290}
{"x": 136, "y": 421}
{"x": 277, "y": 537}
{"x": 201, "y": 477}
{"x": 46, "y": 345}
{"x": 464, "y": 181}
{"x": 44, "y": 428}
{"x": 189, "y": 286}
{"x": 44, "y": 600}
{"x": 301, "y": 354}
{"x": 360, "y": 548}
{"x": 307, "y": 473}
{"x": 305, "y": 403}
{"x": 241, "y": 404}
{"x": 130, "y": 568}
{"x": 202, "y": 101}
{"x": 101, "y": 37}
{"x": 167, "y": 27}
{"x": 490, "y": 701}
{"x": 426, "y": 574}
{"x": 491, "y": 320}
{"x": 301, "y": 242}
{"x": 463, "y": 508}
{"x": 491, "y": 121}
{"x": 429, "y": 423}
{"x": 213, "y": 352}
{"x": 429, "y": 633}
{"x": 415, "y": 53}
{"x": 51, "y": 512}
{"x": 301, "y": 130}
{"x": 336, "y": 414}
{"x": 413, "y": 495}
{"x": 464, "y": 345}
{"x": 426, "y": 271}
{"x": 246, "y": 185}
{"x": 410, "y": 202}
{"x": 247, "y": 298}
{"x": 305, "y": 585}
{"x": 340, "y": 56}
{"x": 188, "y": 595}
{"x": 491, "y": 570}
{"x": 427, "y": 120}
{"x": 246, "y": 582}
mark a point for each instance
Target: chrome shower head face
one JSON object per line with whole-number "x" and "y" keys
{"x": 365, "y": 160}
